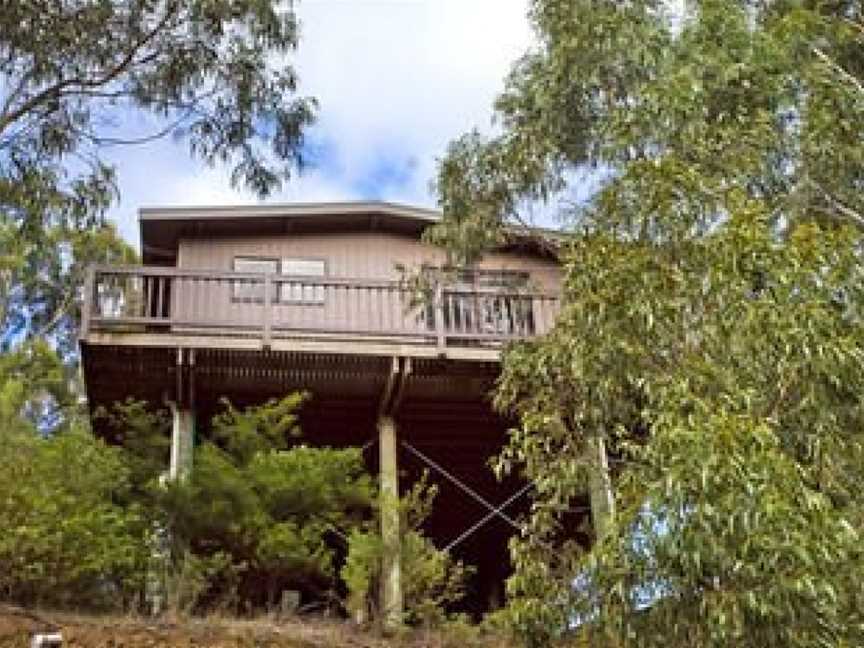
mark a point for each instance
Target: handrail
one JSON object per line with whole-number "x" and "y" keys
{"x": 265, "y": 305}
{"x": 258, "y": 277}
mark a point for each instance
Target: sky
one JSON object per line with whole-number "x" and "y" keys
{"x": 396, "y": 80}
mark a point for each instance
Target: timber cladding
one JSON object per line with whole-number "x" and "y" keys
{"x": 370, "y": 259}
{"x": 368, "y": 255}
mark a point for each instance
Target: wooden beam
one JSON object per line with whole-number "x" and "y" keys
{"x": 384, "y": 404}
{"x": 338, "y": 346}
{"x": 267, "y": 334}
{"x": 404, "y": 375}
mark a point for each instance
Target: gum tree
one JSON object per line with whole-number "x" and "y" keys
{"x": 78, "y": 77}
{"x": 710, "y": 333}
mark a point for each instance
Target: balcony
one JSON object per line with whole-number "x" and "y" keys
{"x": 171, "y": 307}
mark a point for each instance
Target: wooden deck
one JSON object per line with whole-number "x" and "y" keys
{"x": 165, "y": 334}
{"x": 358, "y": 347}
{"x": 150, "y": 307}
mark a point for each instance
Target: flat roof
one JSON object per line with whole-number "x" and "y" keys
{"x": 162, "y": 227}
{"x": 288, "y": 210}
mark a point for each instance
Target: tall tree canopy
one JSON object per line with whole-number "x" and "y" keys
{"x": 711, "y": 328}
{"x": 79, "y": 76}
{"x": 76, "y": 77}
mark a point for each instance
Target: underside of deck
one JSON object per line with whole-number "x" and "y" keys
{"x": 441, "y": 407}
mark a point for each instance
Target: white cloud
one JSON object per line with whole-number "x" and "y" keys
{"x": 396, "y": 80}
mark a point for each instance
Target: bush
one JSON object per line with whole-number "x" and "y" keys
{"x": 274, "y": 510}
{"x": 65, "y": 539}
{"x": 431, "y": 580}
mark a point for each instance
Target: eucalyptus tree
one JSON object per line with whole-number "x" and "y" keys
{"x": 79, "y": 76}
{"x": 711, "y": 331}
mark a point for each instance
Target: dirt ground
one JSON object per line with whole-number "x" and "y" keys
{"x": 17, "y": 627}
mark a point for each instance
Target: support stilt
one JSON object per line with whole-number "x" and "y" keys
{"x": 391, "y": 576}
{"x": 182, "y": 441}
{"x": 157, "y": 594}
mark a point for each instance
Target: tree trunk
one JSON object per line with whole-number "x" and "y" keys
{"x": 600, "y": 487}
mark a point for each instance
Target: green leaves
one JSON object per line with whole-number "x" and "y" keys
{"x": 722, "y": 519}
{"x": 431, "y": 580}
{"x": 255, "y": 429}
{"x": 72, "y": 77}
{"x": 277, "y": 511}
{"x": 209, "y": 69}
{"x": 711, "y": 328}
{"x": 65, "y": 539}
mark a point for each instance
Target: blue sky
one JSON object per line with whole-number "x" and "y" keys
{"x": 396, "y": 81}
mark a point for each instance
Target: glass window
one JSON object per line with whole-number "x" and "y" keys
{"x": 252, "y": 290}
{"x": 300, "y": 291}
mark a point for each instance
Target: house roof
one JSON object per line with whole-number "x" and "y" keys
{"x": 163, "y": 227}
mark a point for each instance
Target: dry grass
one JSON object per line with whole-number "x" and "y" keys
{"x": 17, "y": 626}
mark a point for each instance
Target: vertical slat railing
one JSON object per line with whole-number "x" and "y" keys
{"x": 161, "y": 307}
{"x": 271, "y": 305}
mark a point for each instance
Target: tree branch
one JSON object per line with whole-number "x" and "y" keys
{"x": 61, "y": 86}
{"x": 850, "y": 213}
{"x": 856, "y": 83}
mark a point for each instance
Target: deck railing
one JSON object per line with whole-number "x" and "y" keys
{"x": 199, "y": 302}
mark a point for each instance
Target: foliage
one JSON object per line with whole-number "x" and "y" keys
{"x": 675, "y": 112}
{"x": 748, "y": 548}
{"x": 272, "y": 509}
{"x": 191, "y": 577}
{"x": 431, "y": 580}
{"x": 216, "y": 70}
{"x": 72, "y": 529}
{"x": 362, "y": 571}
{"x": 33, "y": 387}
{"x": 144, "y": 434}
{"x": 711, "y": 325}
{"x": 84, "y": 521}
{"x": 64, "y": 537}
{"x": 245, "y": 433}
{"x": 79, "y": 77}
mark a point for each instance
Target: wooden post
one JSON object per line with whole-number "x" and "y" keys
{"x": 164, "y": 550}
{"x": 600, "y": 487}
{"x": 182, "y": 443}
{"x": 87, "y": 305}
{"x": 391, "y": 571}
{"x": 439, "y": 318}
{"x": 268, "y": 311}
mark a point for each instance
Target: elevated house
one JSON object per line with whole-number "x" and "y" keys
{"x": 255, "y": 302}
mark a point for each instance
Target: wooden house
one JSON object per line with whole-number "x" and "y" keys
{"x": 250, "y": 303}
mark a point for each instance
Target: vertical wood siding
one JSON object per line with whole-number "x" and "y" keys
{"x": 353, "y": 255}
{"x": 368, "y": 255}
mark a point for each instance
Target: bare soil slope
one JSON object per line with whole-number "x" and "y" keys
{"x": 17, "y": 627}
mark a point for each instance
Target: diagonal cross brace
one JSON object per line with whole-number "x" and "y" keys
{"x": 464, "y": 487}
{"x": 498, "y": 510}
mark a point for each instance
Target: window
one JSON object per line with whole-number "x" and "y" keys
{"x": 300, "y": 292}
{"x": 246, "y": 290}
